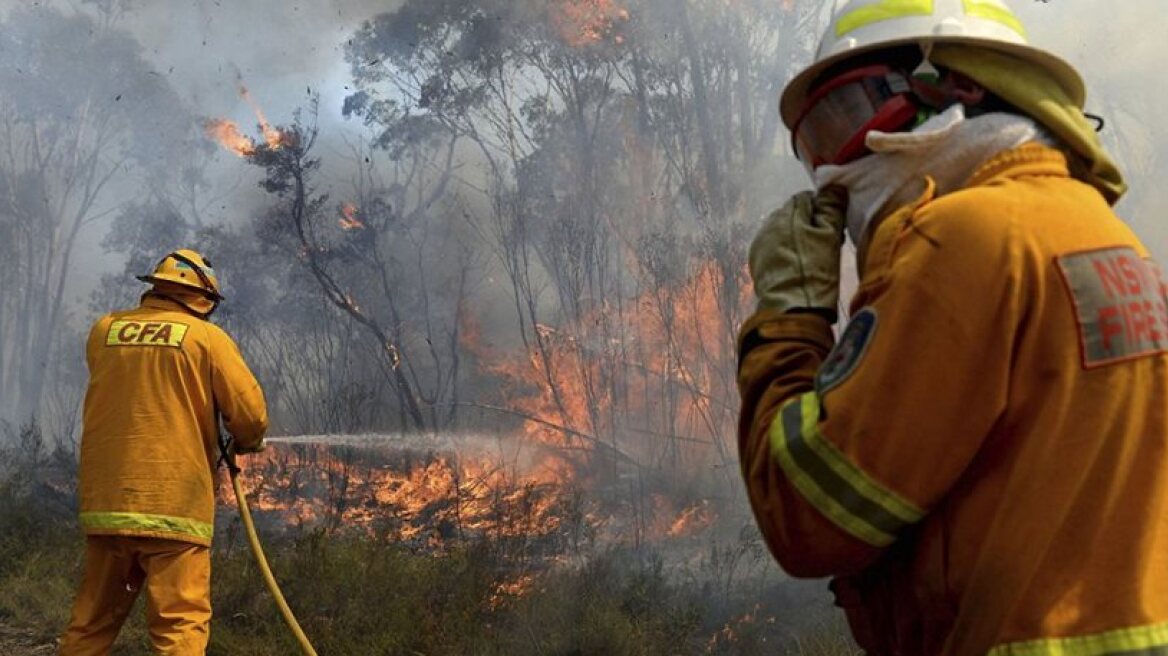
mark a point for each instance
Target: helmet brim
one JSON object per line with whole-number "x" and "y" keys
{"x": 795, "y": 93}
{"x": 154, "y": 280}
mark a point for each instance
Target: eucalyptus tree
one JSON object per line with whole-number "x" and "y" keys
{"x": 619, "y": 150}
{"x": 82, "y": 114}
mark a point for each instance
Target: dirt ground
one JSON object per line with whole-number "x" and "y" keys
{"x": 17, "y": 642}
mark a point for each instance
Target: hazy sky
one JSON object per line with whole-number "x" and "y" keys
{"x": 280, "y": 49}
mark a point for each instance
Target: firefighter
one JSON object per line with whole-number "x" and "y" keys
{"x": 980, "y": 460}
{"x": 160, "y": 375}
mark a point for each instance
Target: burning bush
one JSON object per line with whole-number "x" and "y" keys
{"x": 520, "y": 577}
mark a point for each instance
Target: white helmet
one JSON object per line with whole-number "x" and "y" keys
{"x": 860, "y": 26}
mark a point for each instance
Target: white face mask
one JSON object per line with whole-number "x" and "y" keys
{"x": 948, "y": 148}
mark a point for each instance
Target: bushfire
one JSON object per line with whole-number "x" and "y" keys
{"x": 586, "y": 22}
{"x": 227, "y": 133}
{"x": 349, "y": 220}
{"x": 436, "y": 494}
{"x": 559, "y": 467}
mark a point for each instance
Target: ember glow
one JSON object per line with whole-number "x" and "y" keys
{"x": 732, "y": 630}
{"x": 349, "y": 220}
{"x": 693, "y": 519}
{"x": 587, "y": 22}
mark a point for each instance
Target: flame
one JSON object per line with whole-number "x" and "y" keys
{"x": 428, "y": 499}
{"x": 588, "y": 22}
{"x": 349, "y": 220}
{"x": 673, "y": 346}
{"x": 677, "y": 347}
{"x": 510, "y": 589}
{"x": 732, "y": 630}
{"x": 273, "y": 137}
{"x": 227, "y": 134}
{"x": 417, "y": 496}
{"x": 694, "y": 518}
{"x": 678, "y": 344}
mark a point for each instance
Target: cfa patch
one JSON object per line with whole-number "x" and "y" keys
{"x": 846, "y": 354}
{"x": 1121, "y": 304}
{"x": 146, "y": 333}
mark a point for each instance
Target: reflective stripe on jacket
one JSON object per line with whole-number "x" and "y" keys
{"x": 157, "y": 373}
{"x": 983, "y": 457}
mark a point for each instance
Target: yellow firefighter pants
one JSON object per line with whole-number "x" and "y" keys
{"x": 177, "y": 578}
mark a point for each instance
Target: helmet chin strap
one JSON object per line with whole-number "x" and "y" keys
{"x": 207, "y": 286}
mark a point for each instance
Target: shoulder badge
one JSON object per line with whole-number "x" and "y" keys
{"x": 846, "y": 354}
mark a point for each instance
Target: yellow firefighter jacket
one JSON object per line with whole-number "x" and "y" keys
{"x": 982, "y": 458}
{"x": 157, "y": 375}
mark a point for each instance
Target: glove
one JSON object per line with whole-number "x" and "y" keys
{"x": 795, "y": 258}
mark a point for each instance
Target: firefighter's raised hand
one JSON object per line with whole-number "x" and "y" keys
{"x": 795, "y": 258}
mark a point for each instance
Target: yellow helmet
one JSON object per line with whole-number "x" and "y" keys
{"x": 189, "y": 269}
{"x": 862, "y": 26}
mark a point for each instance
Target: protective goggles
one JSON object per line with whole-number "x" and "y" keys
{"x": 841, "y": 113}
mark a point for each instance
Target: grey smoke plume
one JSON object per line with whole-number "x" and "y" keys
{"x": 284, "y": 51}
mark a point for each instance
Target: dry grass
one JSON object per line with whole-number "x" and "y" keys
{"x": 357, "y": 595}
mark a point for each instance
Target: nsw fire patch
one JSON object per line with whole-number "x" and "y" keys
{"x": 1121, "y": 304}
{"x": 146, "y": 333}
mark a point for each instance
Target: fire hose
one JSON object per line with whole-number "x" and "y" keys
{"x": 227, "y": 456}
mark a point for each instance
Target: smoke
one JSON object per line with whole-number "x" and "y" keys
{"x": 278, "y": 49}
{"x": 284, "y": 52}
{"x": 205, "y": 50}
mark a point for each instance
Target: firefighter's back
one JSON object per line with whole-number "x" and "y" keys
{"x": 147, "y": 449}
{"x": 1058, "y": 528}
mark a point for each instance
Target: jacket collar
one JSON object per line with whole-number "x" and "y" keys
{"x": 1027, "y": 160}
{"x": 157, "y": 302}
